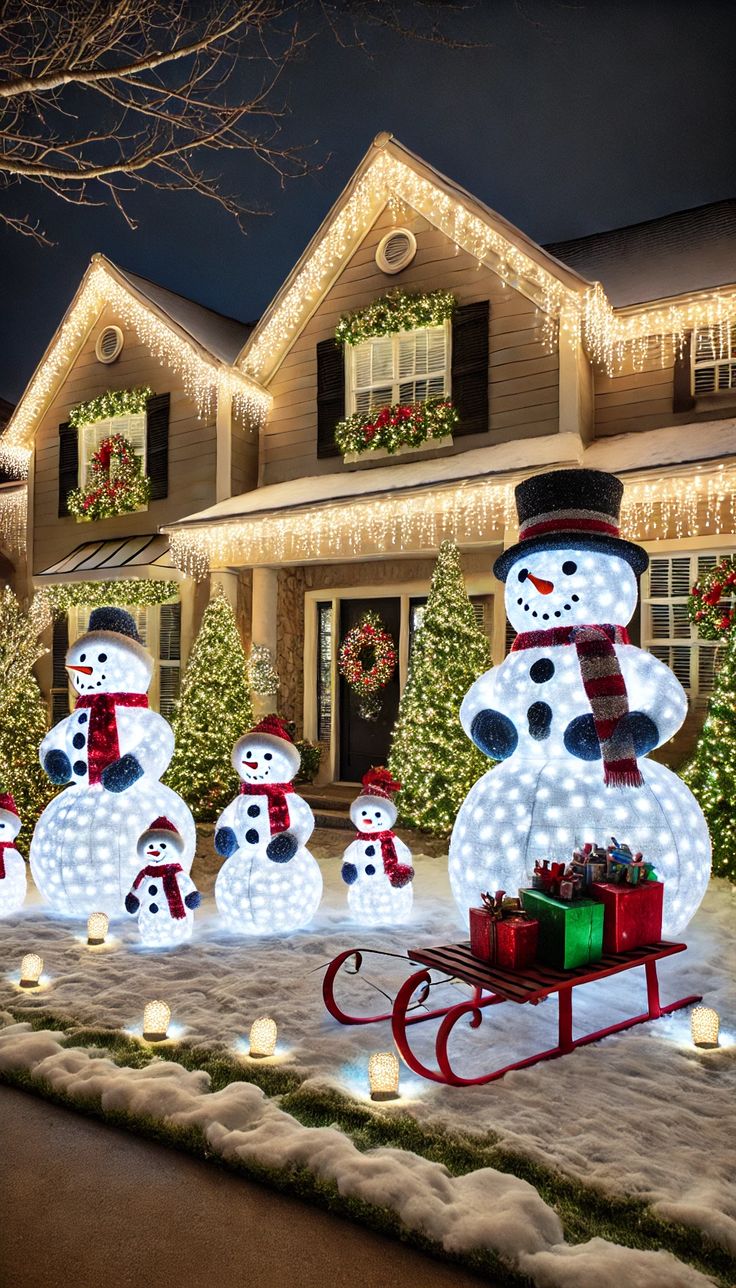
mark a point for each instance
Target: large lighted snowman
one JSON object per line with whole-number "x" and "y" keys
{"x": 12, "y": 865}
{"x": 269, "y": 883}
{"x": 573, "y": 710}
{"x": 376, "y": 866}
{"x": 110, "y": 752}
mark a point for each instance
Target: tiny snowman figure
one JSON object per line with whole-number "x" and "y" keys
{"x": 163, "y": 895}
{"x": 12, "y": 866}
{"x": 269, "y": 883}
{"x": 376, "y": 866}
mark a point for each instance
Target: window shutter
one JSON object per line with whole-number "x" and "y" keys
{"x": 330, "y": 395}
{"x": 469, "y": 389}
{"x": 157, "y": 445}
{"x": 68, "y": 465}
{"x": 59, "y": 678}
{"x": 682, "y": 395}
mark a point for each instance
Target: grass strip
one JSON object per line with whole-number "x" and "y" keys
{"x": 586, "y": 1211}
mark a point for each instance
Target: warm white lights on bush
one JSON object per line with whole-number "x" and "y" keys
{"x": 383, "y": 1075}
{"x": 704, "y": 1026}
{"x": 262, "y": 1037}
{"x": 98, "y": 924}
{"x": 156, "y": 1016}
{"x": 30, "y": 970}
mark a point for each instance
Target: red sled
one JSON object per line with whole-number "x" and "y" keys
{"x": 509, "y": 943}
{"x": 632, "y": 915}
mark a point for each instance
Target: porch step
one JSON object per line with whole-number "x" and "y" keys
{"x": 336, "y": 819}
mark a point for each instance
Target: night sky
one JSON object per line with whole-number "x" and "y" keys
{"x": 577, "y": 117}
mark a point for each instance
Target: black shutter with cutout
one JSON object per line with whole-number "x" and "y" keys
{"x": 59, "y": 676}
{"x": 68, "y": 465}
{"x": 330, "y": 395}
{"x": 682, "y": 389}
{"x": 469, "y": 390}
{"x": 157, "y": 445}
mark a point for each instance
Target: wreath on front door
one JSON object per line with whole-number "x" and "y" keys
{"x": 367, "y": 661}
{"x": 711, "y": 600}
{"x": 115, "y": 484}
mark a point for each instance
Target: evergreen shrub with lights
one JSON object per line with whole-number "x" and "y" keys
{"x": 430, "y": 755}
{"x": 213, "y": 711}
{"x": 396, "y": 311}
{"x": 23, "y": 715}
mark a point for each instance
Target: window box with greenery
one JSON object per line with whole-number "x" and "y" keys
{"x": 113, "y": 454}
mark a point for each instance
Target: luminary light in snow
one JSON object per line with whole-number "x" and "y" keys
{"x": 30, "y": 970}
{"x": 263, "y": 1037}
{"x": 269, "y": 882}
{"x": 156, "y": 1016}
{"x": 383, "y": 1075}
{"x": 704, "y": 1026}
{"x": 573, "y": 710}
{"x": 98, "y": 924}
{"x": 110, "y": 752}
{"x": 376, "y": 866}
{"x": 13, "y": 881}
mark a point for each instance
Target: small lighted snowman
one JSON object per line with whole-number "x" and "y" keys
{"x": 12, "y": 866}
{"x": 163, "y": 896}
{"x": 376, "y": 866}
{"x": 269, "y": 883}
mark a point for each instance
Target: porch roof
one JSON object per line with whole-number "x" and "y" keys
{"x": 117, "y": 557}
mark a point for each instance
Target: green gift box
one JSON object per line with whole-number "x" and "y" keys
{"x": 570, "y": 933}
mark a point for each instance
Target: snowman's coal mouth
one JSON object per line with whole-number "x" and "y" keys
{"x": 551, "y": 616}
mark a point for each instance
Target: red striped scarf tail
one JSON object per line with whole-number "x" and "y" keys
{"x": 605, "y": 689}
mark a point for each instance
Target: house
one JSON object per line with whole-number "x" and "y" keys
{"x": 616, "y": 351}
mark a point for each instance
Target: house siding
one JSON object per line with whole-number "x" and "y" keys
{"x": 632, "y": 400}
{"x": 523, "y": 374}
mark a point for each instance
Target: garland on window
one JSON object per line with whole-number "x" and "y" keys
{"x": 708, "y": 604}
{"x": 396, "y": 311}
{"x": 139, "y": 592}
{"x": 401, "y": 425}
{"x": 115, "y": 484}
{"x": 116, "y": 402}
{"x": 367, "y": 660}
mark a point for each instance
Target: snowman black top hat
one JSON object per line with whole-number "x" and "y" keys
{"x": 114, "y": 619}
{"x": 570, "y": 508}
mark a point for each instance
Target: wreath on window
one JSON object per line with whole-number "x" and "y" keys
{"x": 367, "y": 661}
{"x": 115, "y": 483}
{"x": 708, "y": 603}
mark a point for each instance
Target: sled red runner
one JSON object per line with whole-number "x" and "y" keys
{"x": 491, "y": 986}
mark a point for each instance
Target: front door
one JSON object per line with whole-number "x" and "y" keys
{"x": 366, "y": 742}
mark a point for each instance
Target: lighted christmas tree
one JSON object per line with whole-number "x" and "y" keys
{"x": 430, "y": 754}
{"x": 214, "y": 710}
{"x": 711, "y": 774}
{"x": 23, "y": 716}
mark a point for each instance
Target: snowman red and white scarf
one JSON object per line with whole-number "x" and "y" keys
{"x": 399, "y": 874}
{"x": 278, "y": 806}
{"x": 605, "y": 689}
{"x": 103, "y": 747}
{"x": 166, "y": 872}
{"x": 4, "y": 845}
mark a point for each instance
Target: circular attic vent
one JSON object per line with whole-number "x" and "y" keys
{"x": 396, "y": 250}
{"x": 109, "y": 344}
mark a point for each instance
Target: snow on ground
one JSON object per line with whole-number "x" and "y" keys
{"x": 641, "y": 1113}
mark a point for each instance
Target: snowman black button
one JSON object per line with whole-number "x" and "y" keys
{"x": 251, "y": 836}
{"x": 153, "y": 907}
{"x": 542, "y": 670}
{"x": 153, "y": 889}
{"x": 370, "y": 851}
{"x": 80, "y": 767}
{"x": 369, "y": 869}
{"x": 254, "y": 811}
{"x": 539, "y": 716}
{"x": 83, "y": 718}
{"x": 78, "y": 740}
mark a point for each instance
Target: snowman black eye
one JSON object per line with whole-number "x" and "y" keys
{"x": 162, "y": 846}
{"x": 102, "y": 657}
{"x": 569, "y": 567}
{"x": 268, "y": 756}
{"x": 82, "y": 656}
{"x": 523, "y": 574}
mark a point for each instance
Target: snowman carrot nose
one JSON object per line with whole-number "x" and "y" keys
{"x": 544, "y": 587}
{"x": 86, "y": 670}
{"x": 251, "y": 764}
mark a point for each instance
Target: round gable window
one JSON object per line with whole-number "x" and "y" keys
{"x": 396, "y": 250}
{"x": 109, "y": 344}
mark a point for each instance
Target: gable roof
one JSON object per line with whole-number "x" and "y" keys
{"x": 688, "y": 250}
{"x": 220, "y": 335}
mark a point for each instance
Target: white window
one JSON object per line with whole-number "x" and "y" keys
{"x": 90, "y": 436}
{"x": 714, "y": 359}
{"x": 412, "y": 366}
{"x": 666, "y": 629}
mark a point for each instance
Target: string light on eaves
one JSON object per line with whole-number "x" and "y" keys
{"x": 700, "y": 504}
{"x": 13, "y": 519}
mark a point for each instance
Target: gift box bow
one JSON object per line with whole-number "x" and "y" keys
{"x": 499, "y": 906}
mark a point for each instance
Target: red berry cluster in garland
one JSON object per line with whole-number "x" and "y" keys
{"x": 709, "y": 603}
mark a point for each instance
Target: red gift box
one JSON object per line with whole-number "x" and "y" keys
{"x": 632, "y": 915}
{"x": 509, "y": 942}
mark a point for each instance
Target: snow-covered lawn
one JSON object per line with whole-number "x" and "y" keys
{"x": 641, "y": 1113}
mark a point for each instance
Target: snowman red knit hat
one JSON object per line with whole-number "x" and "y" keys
{"x": 162, "y": 824}
{"x": 7, "y": 803}
{"x": 271, "y": 730}
{"x": 379, "y": 782}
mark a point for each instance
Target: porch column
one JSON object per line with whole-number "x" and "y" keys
{"x": 263, "y": 625}
{"x": 228, "y": 583}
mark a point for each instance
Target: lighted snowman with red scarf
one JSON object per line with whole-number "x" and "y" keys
{"x": 376, "y": 866}
{"x": 163, "y": 896}
{"x": 109, "y": 754}
{"x": 269, "y": 883}
{"x": 574, "y": 709}
{"x": 12, "y": 865}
